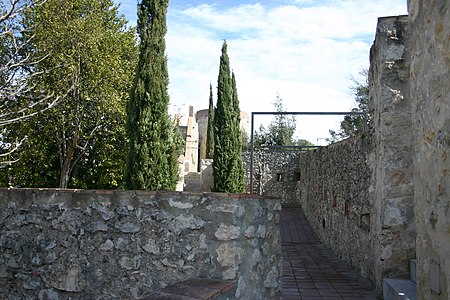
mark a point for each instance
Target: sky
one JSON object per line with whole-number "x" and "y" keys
{"x": 305, "y": 51}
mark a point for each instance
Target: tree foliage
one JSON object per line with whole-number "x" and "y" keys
{"x": 355, "y": 124}
{"x": 90, "y": 51}
{"x": 210, "y": 130}
{"x": 280, "y": 131}
{"x": 152, "y": 162}
{"x": 227, "y": 164}
{"x": 20, "y": 99}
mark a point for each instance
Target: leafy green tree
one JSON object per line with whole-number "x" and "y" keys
{"x": 355, "y": 124}
{"x": 152, "y": 162}
{"x": 245, "y": 141}
{"x": 227, "y": 163}
{"x": 90, "y": 51}
{"x": 280, "y": 131}
{"x": 210, "y": 130}
{"x": 20, "y": 99}
{"x": 302, "y": 142}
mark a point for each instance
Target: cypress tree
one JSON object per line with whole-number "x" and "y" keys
{"x": 238, "y": 136}
{"x": 210, "y": 131}
{"x": 151, "y": 162}
{"x": 227, "y": 163}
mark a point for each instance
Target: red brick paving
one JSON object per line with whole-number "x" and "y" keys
{"x": 312, "y": 272}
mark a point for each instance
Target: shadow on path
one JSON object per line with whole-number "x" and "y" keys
{"x": 312, "y": 272}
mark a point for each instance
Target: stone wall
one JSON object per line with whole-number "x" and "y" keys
{"x": 334, "y": 193}
{"x": 392, "y": 219}
{"x": 358, "y": 194}
{"x": 275, "y": 173}
{"x": 61, "y": 244}
{"x": 430, "y": 94}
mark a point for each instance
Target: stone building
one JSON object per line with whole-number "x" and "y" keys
{"x": 196, "y": 171}
{"x": 202, "y": 122}
{"x": 191, "y": 137}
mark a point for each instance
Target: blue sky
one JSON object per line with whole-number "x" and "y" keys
{"x": 304, "y": 50}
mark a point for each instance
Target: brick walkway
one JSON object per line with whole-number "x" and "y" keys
{"x": 310, "y": 271}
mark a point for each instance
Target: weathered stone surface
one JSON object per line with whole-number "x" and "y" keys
{"x": 250, "y": 232}
{"x": 125, "y": 244}
{"x": 130, "y": 263}
{"x": 430, "y": 94}
{"x": 96, "y": 227}
{"x": 392, "y": 207}
{"x": 180, "y": 205}
{"x": 227, "y": 232}
{"x": 271, "y": 280}
{"x": 234, "y": 208}
{"x": 127, "y": 227}
{"x": 261, "y": 232}
{"x": 187, "y": 222}
{"x": 334, "y": 191}
{"x": 228, "y": 255}
{"x": 48, "y": 295}
{"x": 69, "y": 280}
{"x": 152, "y": 247}
{"x": 108, "y": 245}
{"x": 268, "y": 167}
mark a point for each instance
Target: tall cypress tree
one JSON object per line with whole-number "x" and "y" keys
{"x": 238, "y": 137}
{"x": 151, "y": 162}
{"x": 210, "y": 131}
{"x": 227, "y": 163}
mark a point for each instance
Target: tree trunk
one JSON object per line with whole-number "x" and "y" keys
{"x": 67, "y": 161}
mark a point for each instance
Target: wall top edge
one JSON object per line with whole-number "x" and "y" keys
{"x": 138, "y": 193}
{"x": 393, "y": 17}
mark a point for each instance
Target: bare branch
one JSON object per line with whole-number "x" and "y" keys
{"x": 4, "y": 164}
{"x": 16, "y": 146}
{"x": 27, "y": 113}
{"x": 16, "y": 8}
{"x": 20, "y": 100}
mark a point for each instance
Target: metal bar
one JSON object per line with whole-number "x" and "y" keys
{"x": 251, "y": 153}
{"x": 287, "y": 147}
{"x": 308, "y": 113}
{"x": 289, "y": 113}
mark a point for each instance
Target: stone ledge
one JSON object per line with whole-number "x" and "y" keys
{"x": 399, "y": 289}
{"x": 193, "y": 289}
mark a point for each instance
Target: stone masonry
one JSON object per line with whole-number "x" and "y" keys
{"x": 61, "y": 244}
{"x": 334, "y": 193}
{"x": 392, "y": 195}
{"x": 429, "y": 45}
{"x": 275, "y": 173}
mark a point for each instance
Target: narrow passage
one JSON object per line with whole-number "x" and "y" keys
{"x": 312, "y": 272}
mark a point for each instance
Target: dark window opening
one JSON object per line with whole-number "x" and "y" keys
{"x": 347, "y": 208}
{"x": 279, "y": 177}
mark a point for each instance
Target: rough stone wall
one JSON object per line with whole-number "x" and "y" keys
{"x": 358, "y": 194}
{"x": 57, "y": 244}
{"x": 207, "y": 175}
{"x": 334, "y": 193}
{"x": 275, "y": 173}
{"x": 392, "y": 220}
{"x": 430, "y": 94}
{"x": 192, "y": 182}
